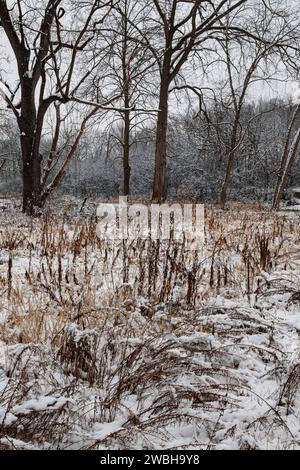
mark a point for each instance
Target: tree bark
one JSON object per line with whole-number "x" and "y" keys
{"x": 126, "y": 152}
{"x": 286, "y": 173}
{"x": 284, "y": 160}
{"x": 126, "y": 90}
{"x": 31, "y": 160}
{"x": 160, "y": 175}
{"x": 231, "y": 158}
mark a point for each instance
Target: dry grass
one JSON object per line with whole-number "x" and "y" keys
{"x": 128, "y": 334}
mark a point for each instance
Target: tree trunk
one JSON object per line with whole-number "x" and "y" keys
{"x": 30, "y": 150}
{"x": 31, "y": 177}
{"x": 231, "y": 157}
{"x": 126, "y": 139}
{"x": 126, "y": 88}
{"x": 126, "y": 152}
{"x": 286, "y": 173}
{"x": 284, "y": 159}
{"x": 160, "y": 176}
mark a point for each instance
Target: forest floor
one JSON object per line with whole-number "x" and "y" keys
{"x": 143, "y": 345}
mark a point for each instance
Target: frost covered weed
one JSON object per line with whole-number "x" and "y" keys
{"x": 147, "y": 344}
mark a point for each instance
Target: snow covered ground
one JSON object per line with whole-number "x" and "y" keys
{"x": 148, "y": 346}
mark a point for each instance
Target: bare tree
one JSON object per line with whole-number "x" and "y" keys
{"x": 46, "y": 48}
{"x": 250, "y": 61}
{"x": 288, "y": 158}
{"x": 126, "y": 64}
{"x": 182, "y": 27}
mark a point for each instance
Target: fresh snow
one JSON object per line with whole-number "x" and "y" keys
{"x": 110, "y": 368}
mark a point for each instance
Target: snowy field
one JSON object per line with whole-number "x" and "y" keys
{"x": 147, "y": 345}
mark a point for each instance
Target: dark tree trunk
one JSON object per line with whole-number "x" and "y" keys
{"x": 160, "y": 175}
{"x": 230, "y": 161}
{"x": 287, "y": 170}
{"x": 30, "y": 139}
{"x": 126, "y": 116}
{"x": 31, "y": 177}
{"x": 126, "y": 153}
{"x": 126, "y": 136}
{"x": 284, "y": 160}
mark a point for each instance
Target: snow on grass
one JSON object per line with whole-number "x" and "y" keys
{"x": 146, "y": 346}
